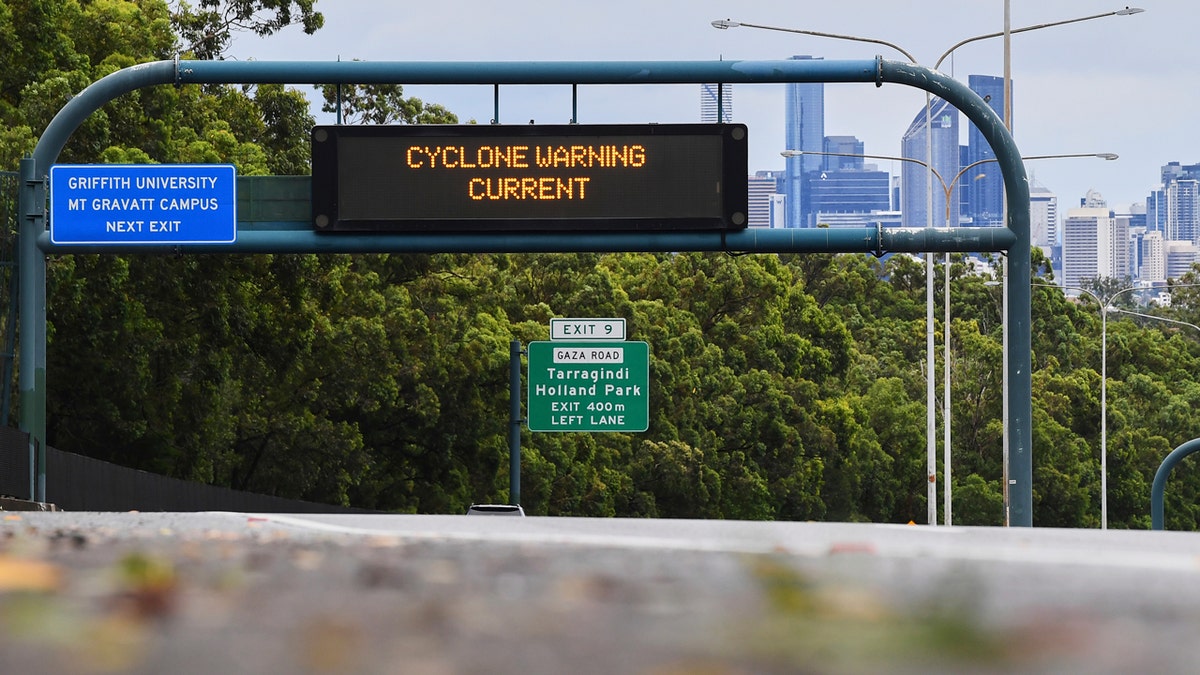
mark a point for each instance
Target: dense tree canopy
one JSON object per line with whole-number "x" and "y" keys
{"x": 782, "y": 387}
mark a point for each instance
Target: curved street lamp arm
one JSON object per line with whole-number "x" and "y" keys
{"x": 1024, "y": 29}
{"x": 726, "y": 23}
{"x": 798, "y": 153}
{"x": 947, "y": 188}
{"x": 1118, "y": 310}
{"x": 1104, "y": 303}
{"x": 1093, "y": 296}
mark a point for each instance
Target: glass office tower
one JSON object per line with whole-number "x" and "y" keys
{"x": 915, "y": 179}
{"x": 804, "y": 111}
{"x": 984, "y": 187}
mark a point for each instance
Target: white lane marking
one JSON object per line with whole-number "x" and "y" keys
{"x": 604, "y": 540}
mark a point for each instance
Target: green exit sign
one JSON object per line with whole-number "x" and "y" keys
{"x": 589, "y": 386}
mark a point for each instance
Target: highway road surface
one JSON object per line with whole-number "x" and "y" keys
{"x": 269, "y": 593}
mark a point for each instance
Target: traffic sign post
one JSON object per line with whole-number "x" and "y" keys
{"x": 151, "y": 204}
{"x": 589, "y": 386}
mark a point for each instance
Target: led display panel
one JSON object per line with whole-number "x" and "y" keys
{"x": 452, "y": 178}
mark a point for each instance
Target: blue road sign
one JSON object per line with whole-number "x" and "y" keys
{"x": 153, "y": 204}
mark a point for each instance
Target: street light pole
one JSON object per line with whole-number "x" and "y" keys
{"x": 930, "y": 375}
{"x": 1105, "y": 306}
{"x": 948, "y": 190}
{"x": 724, "y": 24}
{"x": 946, "y": 407}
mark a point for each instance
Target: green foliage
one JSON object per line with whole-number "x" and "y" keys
{"x": 54, "y": 50}
{"x": 978, "y": 501}
{"x": 206, "y": 28}
{"x": 382, "y": 381}
{"x": 380, "y": 104}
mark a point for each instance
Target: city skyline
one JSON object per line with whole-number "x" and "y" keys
{"x": 1087, "y": 87}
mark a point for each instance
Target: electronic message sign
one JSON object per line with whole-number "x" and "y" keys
{"x": 450, "y": 178}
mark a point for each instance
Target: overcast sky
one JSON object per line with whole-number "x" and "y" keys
{"x": 1122, "y": 84}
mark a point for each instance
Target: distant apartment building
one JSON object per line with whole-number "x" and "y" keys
{"x": 1171, "y": 208}
{"x": 1172, "y": 212}
{"x": 1095, "y": 243}
{"x": 763, "y": 188}
{"x": 1182, "y": 202}
{"x": 1180, "y": 256}
{"x": 1137, "y": 248}
{"x": 1119, "y": 254}
{"x": 1137, "y": 215}
{"x": 846, "y": 192}
{"x": 1153, "y": 267}
{"x": 716, "y": 103}
{"x": 1043, "y": 216}
{"x": 778, "y": 213}
{"x": 1155, "y": 217}
{"x": 1081, "y": 245}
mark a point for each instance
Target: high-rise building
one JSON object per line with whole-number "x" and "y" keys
{"x": 1171, "y": 208}
{"x": 1182, "y": 201}
{"x": 762, "y": 187}
{"x": 1180, "y": 256}
{"x": 984, "y": 187}
{"x": 960, "y": 188}
{"x": 804, "y": 117}
{"x": 1095, "y": 243}
{"x": 1081, "y": 245}
{"x": 1119, "y": 253}
{"x": 849, "y": 196}
{"x": 846, "y": 153}
{"x": 916, "y": 179}
{"x": 778, "y": 211}
{"x": 1154, "y": 258}
{"x": 1043, "y": 216}
{"x": 1155, "y": 218}
{"x": 714, "y": 97}
{"x": 1137, "y": 248}
{"x": 1137, "y": 215}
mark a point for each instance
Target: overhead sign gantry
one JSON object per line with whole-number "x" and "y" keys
{"x": 301, "y": 237}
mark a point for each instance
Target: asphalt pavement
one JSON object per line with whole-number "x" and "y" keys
{"x": 269, "y": 593}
